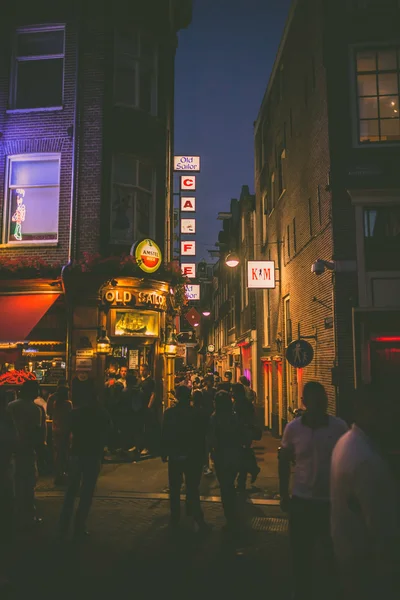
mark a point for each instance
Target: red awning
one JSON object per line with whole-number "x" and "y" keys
{"x": 20, "y": 313}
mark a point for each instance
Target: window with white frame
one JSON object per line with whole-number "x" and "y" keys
{"x": 132, "y": 206}
{"x": 38, "y": 68}
{"x": 382, "y": 238}
{"x": 135, "y": 71}
{"x": 32, "y": 199}
{"x": 378, "y": 94}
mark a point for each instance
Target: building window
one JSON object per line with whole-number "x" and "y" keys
{"x": 313, "y": 73}
{"x": 33, "y": 193}
{"x": 319, "y": 205}
{"x": 282, "y": 171}
{"x": 135, "y": 75}
{"x": 288, "y": 321}
{"x": 294, "y": 236}
{"x": 291, "y": 122}
{"x": 265, "y": 210}
{"x": 378, "y": 94}
{"x": 132, "y": 206}
{"x": 288, "y": 240}
{"x": 272, "y": 192}
{"x": 310, "y": 216}
{"x": 382, "y": 238}
{"x": 38, "y": 68}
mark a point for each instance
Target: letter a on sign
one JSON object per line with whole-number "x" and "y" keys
{"x": 188, "y": 204}
{"x": 188, "y": 248}
{"x": 188, "y": 182}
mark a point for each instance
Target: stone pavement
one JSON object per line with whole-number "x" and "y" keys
{"x": 132, "y": 554}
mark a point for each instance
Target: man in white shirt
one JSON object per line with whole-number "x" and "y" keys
{"x": 365, "y": 502}
{"x": 308, "y": 441}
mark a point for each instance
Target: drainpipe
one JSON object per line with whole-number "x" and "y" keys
{"x": 74, "y": 197}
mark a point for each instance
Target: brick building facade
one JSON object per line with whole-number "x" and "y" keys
{"x": 86, "y": 137}
{"x": 326, "y": 145}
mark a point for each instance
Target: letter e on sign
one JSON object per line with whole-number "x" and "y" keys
{"x": 261, "y": 274}
{"x": 188, "y": 182}
{"x": 189, "y": 270}
{"x": 188, "y": 204}
{"x": 188, "y": 248}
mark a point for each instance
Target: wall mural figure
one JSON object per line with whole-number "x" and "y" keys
{"x": 20, "y": 213}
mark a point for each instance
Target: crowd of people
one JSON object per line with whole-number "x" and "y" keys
{"x": 343, "y": 500}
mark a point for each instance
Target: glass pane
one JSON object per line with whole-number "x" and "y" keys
{"x": 368, "y": 108}
{"x": 147, "y": 48}
{"x": 34, "y": 214}
{"x": 387, "y": 60}
{"x": 389, "y": 106}
{"x": 145, "y": 176}
{"x": 35, "y": 172}
{"x": 366, "y": 85}
{"x": 121, "y": 231}
{"x": 390, "y": 130}
{"x": 39, "y": 83}
{"x": 143, "y": 204}
{"x": 146, "y": 89}
{"x": 366, "y": 60}
{"x": 125, "y": 169}
{"x": 369, "y": 131}
{"x": 126, "y": 44}
{"x": 388, "y": 83}
{"x": 40, "y": 43}
{"x": 125, "y": 87}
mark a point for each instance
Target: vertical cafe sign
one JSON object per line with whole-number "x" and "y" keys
{"x": 185, "y": 166}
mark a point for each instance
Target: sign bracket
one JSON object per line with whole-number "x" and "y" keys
{"x": 306, "y": 337}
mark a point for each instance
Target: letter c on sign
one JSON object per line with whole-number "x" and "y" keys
{"x": 188, "y": 182}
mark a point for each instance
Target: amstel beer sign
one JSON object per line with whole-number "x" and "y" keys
{"x": 148, "y": 255}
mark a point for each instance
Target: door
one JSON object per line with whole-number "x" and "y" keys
{"x": 280, "y": 397}
{"x": 268, "y": 394}
{"x": 385, "y": 362}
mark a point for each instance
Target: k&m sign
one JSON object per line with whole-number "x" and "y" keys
{"x": 261, "y": 274}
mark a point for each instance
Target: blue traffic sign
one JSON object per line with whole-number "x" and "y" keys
{"x": 299, "y": 354}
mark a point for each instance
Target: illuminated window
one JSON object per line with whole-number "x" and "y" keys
{"x": 132, "y": 206}
{"x": 33, "y": 199}
{"x": 382, "y": 238}
{"x": 135, "y": 72}
{"x": 38, "y": 68}
{"x": 378, "y": 94}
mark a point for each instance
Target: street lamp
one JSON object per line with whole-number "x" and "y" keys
{"x": 232, "y": 260}
{"x": 171, "y": 344}
{"x": 103, "y": 344}
{"x": 206, "y": 313}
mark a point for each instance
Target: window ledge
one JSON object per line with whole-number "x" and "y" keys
{"x": 29, "y": 245}
{"x": 17, "y": 111}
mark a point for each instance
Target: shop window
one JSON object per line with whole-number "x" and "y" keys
{"x": 133, "y": 323}
{"x": 377, "y": 72}
{"x": 33, "y": 191}
{"x": 135, "y": 74}
{"x": 282, "y": 171}
{"x": 132, "y": 206}
{"x": 38, "y": 68}
{"x": 382, "y": 238}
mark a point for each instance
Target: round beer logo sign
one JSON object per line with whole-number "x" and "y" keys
{"x": 148, "y": 256}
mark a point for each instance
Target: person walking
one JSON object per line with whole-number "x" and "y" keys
{"x": 148, "y": 387}
{"x": 8, "y": 445}
{"x": 182, "y": 445}
{"x": 61, "y": 383}
{"x": 244, "y": 410}
{"x": 89, "y": 427}
{"x": 308, "y": 442}
{"x": 250, "y": 393}
{"x": 30, "y": 423}
{"x": 61, "y": 409}
{"x": 225, "y": 440}
{"x": 365, "y": 499}
{"x": 136, "y": 400}
{"x": 208, "y": 404}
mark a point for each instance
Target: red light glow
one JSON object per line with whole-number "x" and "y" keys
{"x": 394, "y": 338}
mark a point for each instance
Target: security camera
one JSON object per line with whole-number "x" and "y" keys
{"x": 318, "y": 267}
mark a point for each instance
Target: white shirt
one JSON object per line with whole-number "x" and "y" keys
{"x": 364, "y": 501}
{"x": 312, "y": 451}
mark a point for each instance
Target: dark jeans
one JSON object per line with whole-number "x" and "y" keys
{"x": 60, "y": 453}
{"x": 152, "y": 430}
{"x": 226, "y": 475}
{"x": 83, "y": 474}
{"x": 309, "y": 525}
{"x": 249, "y": 466}
{"x": 25, "y": 482}
{"x": 190, "y": 470}
{"x": 138, "y": 430}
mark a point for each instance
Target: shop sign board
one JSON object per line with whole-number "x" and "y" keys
{"x": 189, "y": 270}
{"x": 188, "y": 204}
{"x": 188, "y": 248}
{"x": 188, "y": 225}
{"x": 193, "y": 292}
{"x": 181, "y": 351}
{"x": 84, "y": 353}
{"x": 188, "y": 182}
{"x": 261, "y": 274}
{"x": 299, "y": 354}
{"x": 148, "y": 255}
{"x": 186, "y": 163}
{"x": 133, "y": 362}
{"x": 84, "y": 364}
{"x": 210, "y": 348}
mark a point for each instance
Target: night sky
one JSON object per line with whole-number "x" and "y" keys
{"x": 223, "y": 63}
